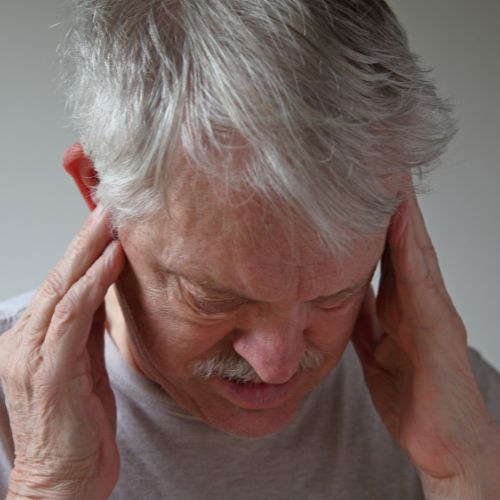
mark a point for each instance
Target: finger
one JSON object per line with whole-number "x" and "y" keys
{"x": 387, "y": 297}
{"x": 82, "y": 252}
{"x": 95, "y": 347}
{"x": 367, "y": 332}
{"x": 73, "y": 316}
{"x": 95, "y": 342}
{"x": 422, "y": 237}
{"x": 396, "y": 228}
{"x": 417, "y": 279}
{"x": 387, "y": 278}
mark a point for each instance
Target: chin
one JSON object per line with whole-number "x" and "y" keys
{"x": 253, "y": 412}
{"x": 252, "y": 423}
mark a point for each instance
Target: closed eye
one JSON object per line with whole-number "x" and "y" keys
{"x": 216, "y": 304}
{"x": 214, "y": 307}
{"x": 201, "y": 303}
{"x": 336, "y": 302}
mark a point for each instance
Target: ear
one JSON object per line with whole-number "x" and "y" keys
{"x": 81, "y": 168}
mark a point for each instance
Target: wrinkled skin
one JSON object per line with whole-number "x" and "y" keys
{"x": 413, "y": 347}
{"x": 279, "y": 283}
{"x": 410, "y": 340}
{"x": 61, "y": 408}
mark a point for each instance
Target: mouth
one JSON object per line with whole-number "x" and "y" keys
{"x": 240, "y": 381}
{"x": 255, "y": 395}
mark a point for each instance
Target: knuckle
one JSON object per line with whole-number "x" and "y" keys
{"x": 20, "y": 372}
{"x": 95, "y": 279}
{"x": 90, "y": 278}
{"x": 31, "y": 366}
{"x": 67, "y": 309}
{"x": 90, "y": 283}
{"x": 18, "y": 329}
{"x": 78, "y": 245}
{"x": 72, "y": 305}
{"x": 54, "y": 285}
{"x": 24, "y": 319}
{"x": 428, "y": 281}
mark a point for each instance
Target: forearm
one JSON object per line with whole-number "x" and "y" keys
{"x": 480, "y": 479}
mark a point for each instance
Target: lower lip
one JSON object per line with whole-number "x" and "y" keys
{"x": 256, "y": 396}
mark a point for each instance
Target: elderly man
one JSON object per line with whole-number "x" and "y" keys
{"x": 247, "y": 163}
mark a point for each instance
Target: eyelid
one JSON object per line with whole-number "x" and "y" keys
{"x": 331, "y": 302}
{"x": 199, "y": 290}
{"x": 214, "y": 307}
{"x": 197, "y": 299}
{"x": 338, "y": 300}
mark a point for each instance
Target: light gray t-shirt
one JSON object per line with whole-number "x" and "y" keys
{"x": 336, "y": 447}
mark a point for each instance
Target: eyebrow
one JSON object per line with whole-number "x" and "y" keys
{"x": 346, "y": 292}
{"x": 205, "y": 284}
{"x": 208, "y": 286}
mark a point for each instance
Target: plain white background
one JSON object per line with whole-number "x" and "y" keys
{"x": 41, "y": 210}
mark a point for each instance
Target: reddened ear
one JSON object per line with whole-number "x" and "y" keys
{"x": 81, "y": 168}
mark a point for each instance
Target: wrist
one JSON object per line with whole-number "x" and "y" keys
{"x": 479, "y": 478}
{"x": 23, "y": 486}
{"x": 451, "y": 488}
{"x": 24, "y": 490}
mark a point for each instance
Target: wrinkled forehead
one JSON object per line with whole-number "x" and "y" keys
{"x": 236, "y": 212}
{"x": 240, "y": 243}
{"x": 204, "y": 212}
{"x": 226, "y": 206}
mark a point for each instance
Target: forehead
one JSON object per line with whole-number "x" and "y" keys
{"x": 243, "y": 248}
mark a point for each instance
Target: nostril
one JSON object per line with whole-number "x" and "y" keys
{"x": 274, "y": 370}
{"x": 274, "y": 351}
{"x": 235, "y": 334}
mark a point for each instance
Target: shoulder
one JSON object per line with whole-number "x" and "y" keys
{"x": 11, "y": 310}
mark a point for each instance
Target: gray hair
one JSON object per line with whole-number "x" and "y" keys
{"x": 319, "y": 103}
{"x": 234, "y": 367}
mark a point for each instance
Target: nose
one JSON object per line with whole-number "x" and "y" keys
{"x": 274, "y": 346}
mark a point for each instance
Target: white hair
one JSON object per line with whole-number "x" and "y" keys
{"x": 234, "y": 367}
{"x": 318, "y": 102}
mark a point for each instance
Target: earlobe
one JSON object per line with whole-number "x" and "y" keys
{"x": 81, "y": 168}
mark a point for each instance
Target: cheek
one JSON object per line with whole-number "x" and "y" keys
{"x": 166, "y": 342}
{"x": 179, "y": 342}
{"x": 330, "y": 332}
{"x": 158, "y": 334}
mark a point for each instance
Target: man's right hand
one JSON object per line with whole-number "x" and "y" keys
{"x": 61, "y": 408}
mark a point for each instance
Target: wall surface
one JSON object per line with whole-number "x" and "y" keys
{"x": 41, "y": 211}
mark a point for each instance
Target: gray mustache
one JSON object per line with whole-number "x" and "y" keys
{"x": 234, "y": 367}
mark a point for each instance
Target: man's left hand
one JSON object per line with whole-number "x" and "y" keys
{"x": 412, "y": 345}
